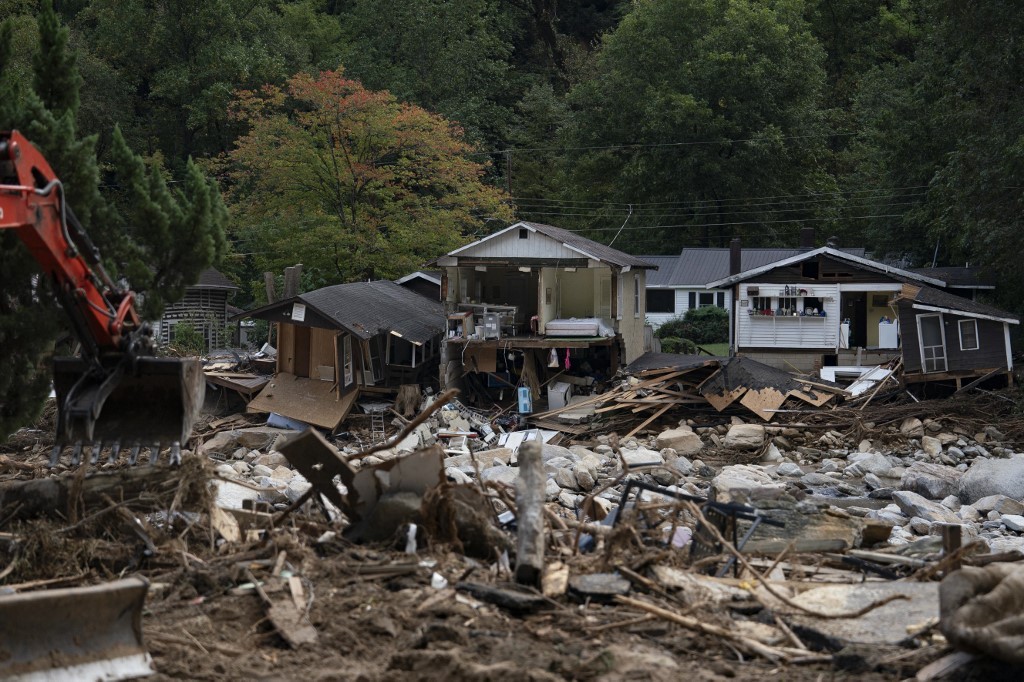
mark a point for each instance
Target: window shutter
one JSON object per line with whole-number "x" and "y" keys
{"x": 721, "y": 299}
{"x": 693, "y": 300}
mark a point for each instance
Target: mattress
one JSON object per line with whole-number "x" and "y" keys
{"x": 578, "y": 326}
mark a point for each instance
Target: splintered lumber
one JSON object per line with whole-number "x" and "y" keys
{"x": 530, "y": 517}
{"x": 647, "y": 421}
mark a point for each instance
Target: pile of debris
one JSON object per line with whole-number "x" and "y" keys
{"x": 802, "y": 544}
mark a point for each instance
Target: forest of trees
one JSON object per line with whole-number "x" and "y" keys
{"x": 364, "y": 137}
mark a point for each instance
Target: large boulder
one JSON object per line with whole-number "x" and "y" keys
{"x": 745, "y": 482}
{"x": 683, "y": 440}
{"x": 913, "y": 505}
{"x": 993, "y": 477}
{"x": 744, "y": 437}
{"x": 934, "y": 481}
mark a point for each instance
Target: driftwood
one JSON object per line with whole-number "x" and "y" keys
{"x": 530, "y": 521}
{"x": 54, "y": 497}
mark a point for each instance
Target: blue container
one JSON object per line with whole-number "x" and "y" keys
{"x": 525, "y": 400}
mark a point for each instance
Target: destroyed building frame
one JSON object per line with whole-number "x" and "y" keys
{"x": 534, "y": 290}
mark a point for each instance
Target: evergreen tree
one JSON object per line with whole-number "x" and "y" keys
{"x": 161, "y": 239}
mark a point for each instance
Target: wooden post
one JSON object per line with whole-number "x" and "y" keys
{"x": 268, "y": 282}
{"x": 530, "y": 521}
{"x": 292, "y": 278}
{"x": 951, "y": 543}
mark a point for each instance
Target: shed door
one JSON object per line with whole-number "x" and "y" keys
{"x": 302, "y": 351}
{"x": 933, "y": 343}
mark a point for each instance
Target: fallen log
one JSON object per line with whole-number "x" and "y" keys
{"x": 60, "y": 496}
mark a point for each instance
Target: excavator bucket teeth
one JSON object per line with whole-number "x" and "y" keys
{"x": 79, "y": 633}
{"x": 154, "y": 401}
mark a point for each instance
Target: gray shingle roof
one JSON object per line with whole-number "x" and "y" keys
{"x": 941, "y": 299}
{"x": 695, "y": 267}
{"x": 211, "y": 278}
{"x": 367, "y": 309}
{"x": 959, "y": 277}
{"x": 595, "y": 249}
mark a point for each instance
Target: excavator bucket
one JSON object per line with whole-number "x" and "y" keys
{"x": 78, "y": 633}
{"x": 152, "y": 402}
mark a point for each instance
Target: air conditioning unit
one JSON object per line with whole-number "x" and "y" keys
{"x": 491, "y": 328}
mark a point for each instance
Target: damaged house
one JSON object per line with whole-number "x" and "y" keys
{"x": 680, "y": 283}
{"x": 831, "y": 308}
{"x": 533, "y": 297}
{"x": 334, "y": 342}
{"x": 951, "y": 338}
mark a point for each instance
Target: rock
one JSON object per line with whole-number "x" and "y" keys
{"x": 969, "y": 514}
{"x": 262, "y": 470}
{"x": 225, "y": 470}
{"x": 556, "y": 464}
{"x": 282, "y": 473}
{"x": 683, "y": 440}
{"x": 552, "y": 451}
{"x": 745, "y": 482}
{"x": 683, "y": 465}
{"x": 817, "y": 480}
{"x": 271, "y": 459}
{"x": 551, "y": 490}
{"x": 998, "y": 503}
{"x": 920, "y": 526}
{"x": 951, "y": 502}
{"x": 642, "y": 456}
{"x": 484, "y": 459}
{"x": 934, "y": 481}
{"x": 890, "y": 514}
{"x": 789, "y": 469}
{"x": 954, "y": 453}
{"x": 566, "y": 478}
{"x": 599, "y": 585}
{"x": 1014, "y": 522}
{"x": 297, "y": 487}
{"x": 864, "y": 445}
{"x": 663, "y": 477}
{"x": 993, "y": 433}
{"x": 912, "y": 427}
{"x": 224, "y": 443}
{"x": 993, "y": 477}
{"x": 501, "y": 474}
{"x": 862, "y": 463}
{"x": 873, "y": 482}
{"x": 885, "y": 625}
{"x": 245, "y": 453}
{"x": 584, "y": 478}
{"x": 260, "y": 437}
{"x": 744, "y": 437}
{"x": 913, "y": 505}
{"x": 241, "y": 468}
{"x": 771, "y": 455}
{"x": 931, "y": 445}
{"x": 567, "y": 499}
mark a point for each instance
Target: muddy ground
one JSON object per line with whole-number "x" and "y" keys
{"x": 380, "y": 613}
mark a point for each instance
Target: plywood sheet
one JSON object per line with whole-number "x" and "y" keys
{"x": 811, "y": 396}
{"x": 480, "y": 359}
{"x": 763, "y": 402}
{"x": 720, "y": 401}
{"x": 321, "y": 349}
{"x": 307, "y": 400}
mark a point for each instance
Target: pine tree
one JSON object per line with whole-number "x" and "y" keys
{"x": 161, "y": 239}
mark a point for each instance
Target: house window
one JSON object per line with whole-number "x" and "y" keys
{"x": 968, "y": 334}
{"x": 637, "y": 310}
{"x": 761, "y": 305}
{"x": 661, "y": 300}
{"x": 787, "y": 306}
{"x": 706, "y": 299}
{"x": 524, "y": 233}
{"x": 401, "y": 352}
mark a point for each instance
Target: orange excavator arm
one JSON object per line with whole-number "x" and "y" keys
{"x": 149, "y": 400}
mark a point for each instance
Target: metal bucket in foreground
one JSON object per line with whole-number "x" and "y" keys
{"x": 78, "y": 633}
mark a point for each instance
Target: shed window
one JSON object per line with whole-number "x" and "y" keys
{"x": 968, "y": 334}
{"x": 524, "y": 233}
{"x": 661, "y": 300}
{"x": 637, "y": 310}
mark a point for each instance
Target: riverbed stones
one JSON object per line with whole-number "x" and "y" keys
{"x": 683, "y": 440}
{"x": 744, "y": 437}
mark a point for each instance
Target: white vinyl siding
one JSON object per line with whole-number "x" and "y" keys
{"x": 778, "y": 331}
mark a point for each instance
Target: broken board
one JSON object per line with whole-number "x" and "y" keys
{"x": 306, "y": 400}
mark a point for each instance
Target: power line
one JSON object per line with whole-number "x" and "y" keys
{"x": 655, "y": 145}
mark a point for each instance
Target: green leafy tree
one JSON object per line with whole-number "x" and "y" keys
{"x": 350, "y": 182}
{"x": 695, "y": 106}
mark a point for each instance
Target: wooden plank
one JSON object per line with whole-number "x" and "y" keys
{"x": 761, "y": 401}
{"x": 647, "y": 421}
